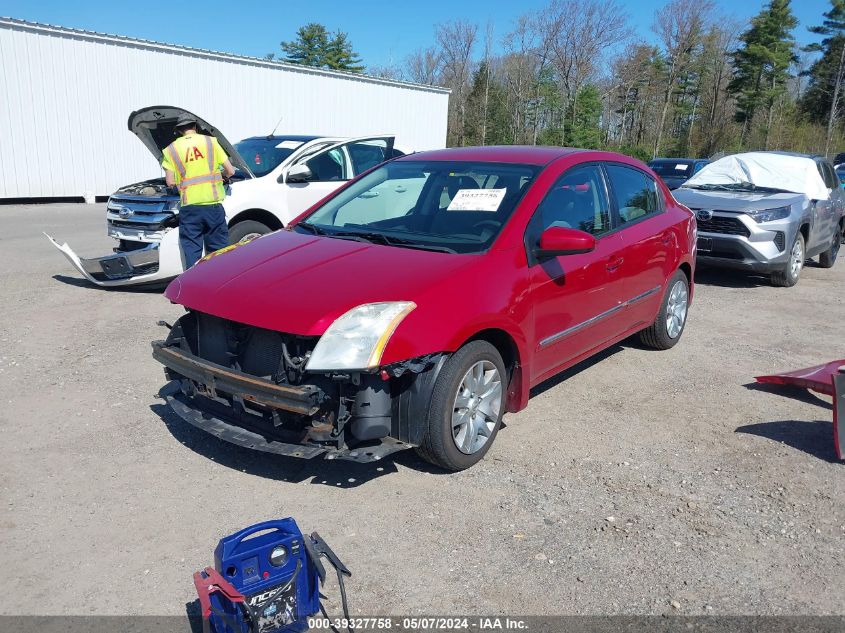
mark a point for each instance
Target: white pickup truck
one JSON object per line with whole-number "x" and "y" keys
{"x": 277, "y": 177}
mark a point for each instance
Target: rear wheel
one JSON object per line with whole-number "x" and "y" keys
{"x": 466, "y": 409}
{"x": 828, "y": 258}
{"x": 246, "y": 231}
{"x": 667, "y": 328}
{"x": 791, "y": 271}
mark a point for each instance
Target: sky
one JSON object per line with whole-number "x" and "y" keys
{"x": 383, "y": 33}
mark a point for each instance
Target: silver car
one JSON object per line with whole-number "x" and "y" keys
{"x": 766, "y": 212}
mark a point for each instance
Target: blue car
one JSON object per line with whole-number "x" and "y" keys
{"x": 676, "y": 171}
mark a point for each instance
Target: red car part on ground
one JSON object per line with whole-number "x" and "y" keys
{"x": 828, "y": 379}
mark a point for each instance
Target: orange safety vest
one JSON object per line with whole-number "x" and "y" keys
{"x": 197, "y": 177}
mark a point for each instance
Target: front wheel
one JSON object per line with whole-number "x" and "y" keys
{"x": 246, "y": 231}
{"x": 467, "y": 404}
{"x": 791, "y": 271}
{"x": 667, "y": 328}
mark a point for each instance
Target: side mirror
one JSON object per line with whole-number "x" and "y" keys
{"x": 558, "y": 240}
{"x": 299, "y": 173}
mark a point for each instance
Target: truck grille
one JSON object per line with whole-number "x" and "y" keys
{"x": 721, "y": 224}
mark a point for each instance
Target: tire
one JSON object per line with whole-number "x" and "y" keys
{"x": 789, "y": 275}
{"x": 458, "y": 376}
{"x": 671, "y": 320}
{"x": 247, "y": 230}
{"x": 828, "y": 258}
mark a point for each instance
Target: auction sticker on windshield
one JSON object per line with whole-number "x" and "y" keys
{"x": 477, "y": 200}
{"x": 288, "y": 145}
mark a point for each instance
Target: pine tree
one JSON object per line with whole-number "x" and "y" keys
{"x": 340, "y": 55}
{"x": 761, "y": 65}
{"x": 314, "y": 47}
{"x": 824, "y": 95}
{"x": 310, "y": 46}
{"x": 584, "y": 128}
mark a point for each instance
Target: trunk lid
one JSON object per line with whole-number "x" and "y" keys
{"x": 155, "y": 126}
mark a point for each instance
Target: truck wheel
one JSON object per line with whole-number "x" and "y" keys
{"x": 246, "y": 231}
{"x": 467, "y": 404}
{"x": 672, "y": 317}
{"x": 791, "y": 271}
{"x": 828, "y": 258}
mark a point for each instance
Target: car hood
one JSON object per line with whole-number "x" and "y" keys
{"x": 735, "y": 200}
{"x": 300, "y": 284}
{"x": 155, "y": 126}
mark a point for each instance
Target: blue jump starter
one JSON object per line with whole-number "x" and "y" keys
{"x": 269, "y": 564}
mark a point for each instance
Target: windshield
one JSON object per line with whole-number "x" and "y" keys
{"x": 265, "y": 154}
{"x": 455, "y": 207}
{"x": 672, "y": 169}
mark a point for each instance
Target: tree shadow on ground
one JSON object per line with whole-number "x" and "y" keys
{"x": 814, "y": 438}
{"x": 333, "y": 473}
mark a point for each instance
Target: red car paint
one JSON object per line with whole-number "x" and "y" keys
{"x": 828, "y": 379}
{"x": 300, "y": 284}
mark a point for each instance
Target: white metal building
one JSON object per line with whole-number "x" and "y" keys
{"x": 72, "y": 91}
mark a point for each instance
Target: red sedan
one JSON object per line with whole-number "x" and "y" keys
{"x": 422, "y": 300}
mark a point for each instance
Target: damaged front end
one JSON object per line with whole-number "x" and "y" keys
{"x": 249, "y": 386}
{"x": 142, "y": 217}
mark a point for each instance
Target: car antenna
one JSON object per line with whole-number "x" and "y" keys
{"x": 270, "y": 135}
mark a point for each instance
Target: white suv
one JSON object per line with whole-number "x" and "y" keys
{"x": 277, "y": 177}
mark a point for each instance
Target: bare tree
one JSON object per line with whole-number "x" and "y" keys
{"x": 456, "y": 42}
{"x": 679, "y": 26}
{"x": 423, "y": 66}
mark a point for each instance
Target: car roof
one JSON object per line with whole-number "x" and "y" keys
{"x": 524, "y": 154}
{"x": 795, "y": 154}
{"x": 678, "y": 160}
{"x": 285, "y": 137}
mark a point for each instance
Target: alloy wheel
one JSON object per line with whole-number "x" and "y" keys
{"x": 676, "y": 309}
{"x": 796, "y": 259}
{"x": 477, "y": 406}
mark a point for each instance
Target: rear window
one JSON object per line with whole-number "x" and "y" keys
{"x": 634, "y": 192}
{"x": 263, "y": 155}
{"x": 673, "y": 169}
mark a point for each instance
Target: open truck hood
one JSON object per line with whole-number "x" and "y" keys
{"x": 155, "y": 126}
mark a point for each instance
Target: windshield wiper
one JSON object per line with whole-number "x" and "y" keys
{"x": 310, "y": 227}
{"x": 391, "y": 241}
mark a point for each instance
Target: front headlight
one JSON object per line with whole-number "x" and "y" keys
{"x": 172, "y": 205}
{"x": 770, "y": 215}
{"x": 357, "y": 339}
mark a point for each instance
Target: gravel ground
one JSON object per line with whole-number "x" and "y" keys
{"x": 639, "y": 482}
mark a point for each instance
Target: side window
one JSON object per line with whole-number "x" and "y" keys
{"x": 365, "y": 155}
{"x": 577, "y": 200}
{"x": 328, "y": 166}
{"x": 634, "y": 192}
{"x": 828, "y": 175}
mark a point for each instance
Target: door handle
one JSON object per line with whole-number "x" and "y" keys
{"x": 369, "y": 194}
{"x": 616, "y": 263}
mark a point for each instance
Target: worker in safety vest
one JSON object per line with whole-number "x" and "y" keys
{"x": 192, "y": 163}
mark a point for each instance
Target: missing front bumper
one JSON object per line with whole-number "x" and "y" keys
{"x": 238, "y": 435}
{"x": 154, "y": 263}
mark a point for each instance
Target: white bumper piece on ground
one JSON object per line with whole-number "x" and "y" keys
{"x": 155, "y": 263}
